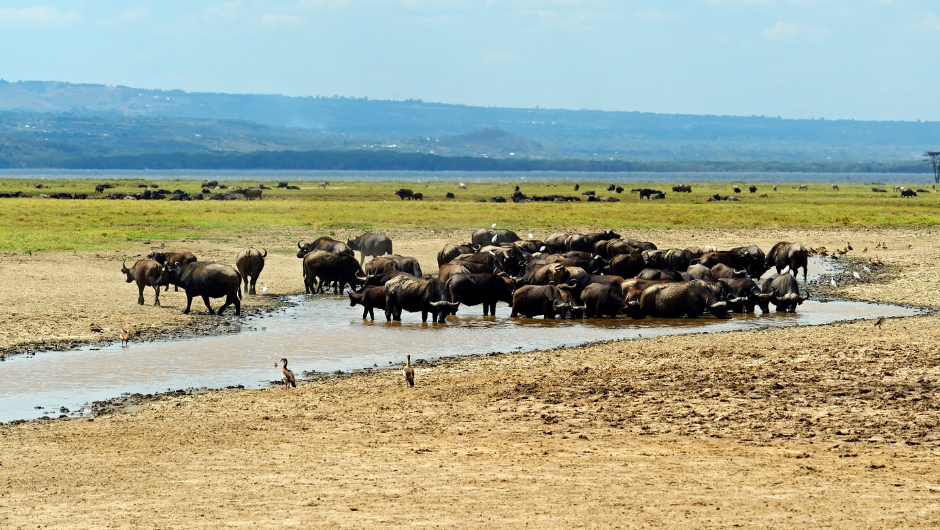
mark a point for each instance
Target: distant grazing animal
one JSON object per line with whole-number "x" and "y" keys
{"x": 736, "y": 188}
{"x": 835, "y": 187}
{"x": 577, "y": 187}
{"x": 418, "y": 196}
{"x": 253, "y": 193}
{"x": 682, "y": 188}
{"x": 125, "y": 338}
{"x": 804, "y": 187}
{"x": 405, "y": 193}
{"x": 250, "y": 263}
{"x": 323, "y": 184}
{"x": 279, "y": 184}
{"x": 208, "y": 280}
{"x": 775, "y": 187}
{"x": 99, "y": 188}
{"x": 288, "y": 376}
{"x": 752, "y": 188}
{"x": 164, "y": 258}
{"x": 369, "y": 244}
{"x": 409, "y": 373}
{"x": 145, "y": 272}
{"x": 658, "y": 196}
{"x": 611, "y": 187}
{"x": 450, "y": 195}
{"x": 619, "y": 189}
{"x": 462, "y": 186}
{"x": 879, "y": 190}
{"x": 908, "y": 193}
{"x": 647, "y": 193}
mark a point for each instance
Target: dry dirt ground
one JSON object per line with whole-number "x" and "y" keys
{"x": 830, "y": 426}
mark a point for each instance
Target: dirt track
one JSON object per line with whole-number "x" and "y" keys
{"x": 826, "y": 426}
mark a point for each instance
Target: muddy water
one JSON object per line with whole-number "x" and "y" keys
{"x": 324, "y": 334}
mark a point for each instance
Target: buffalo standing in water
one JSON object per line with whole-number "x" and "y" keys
{"x": 250, "y": 263}
{"x": 145, "y": 272}
{"x": 208, "y": 280}
{"x": 534, "y": 300}
{"x": 417, "y": 294}
{"x": 683, "y": 299}
{"x": 786, "y": 292}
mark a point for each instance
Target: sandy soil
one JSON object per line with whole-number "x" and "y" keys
{"x": 830, "y": 426}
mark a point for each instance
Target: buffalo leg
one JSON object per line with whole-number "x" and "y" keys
{"x": 140, "y": 295}
{"x": 424, "y": 316}
{"x": 156, "y": 301}
{"x": 189, "y": 302}
{"x": 205, "y": 300}
{"x": 254, "y": 282}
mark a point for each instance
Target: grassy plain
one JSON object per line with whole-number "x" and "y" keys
{"x": 36, "y": 224}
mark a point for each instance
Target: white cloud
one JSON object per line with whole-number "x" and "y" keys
{"x": 37, "y": 16}
{"x": 790, "y": 30}
{"x": 272, "y": 20}
{"x": 134, "y": 13}
{"x": 223, "y": 12}
{"x": 929, "y": 20}
{"x": 652, "y": 15}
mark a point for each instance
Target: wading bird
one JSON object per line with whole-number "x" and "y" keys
{"x": 409, "y": 373}
{"x": 264, "y": 289}
{"x": 287, "y": 375}
{"x": 125, "y": 337}
{"x": 857, "y": 276}
{"x": 96, "y": 328}
{"x": 879, "y": 321}
{"x": 832, "y": 282}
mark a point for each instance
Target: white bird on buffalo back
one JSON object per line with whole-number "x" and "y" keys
{"x": 494, "y": 237}
{"x": 531, "y": 236}
{"x": 494, "y": 225}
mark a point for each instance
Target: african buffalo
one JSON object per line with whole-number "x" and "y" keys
{"x": 449, "y": 269}
{"x": 675, "y": 259}
{"x": 626, "y": 265}
{"x": 324, "y": 243}
{"x": 608, "y": 248}
{"x": 721, "y": 291}
{"x": 405, "y": 192}
{"x": 535, "y": 300}
{"x": 370, "y": 244}
{"x": 684, "y": 299}
{"x": 908, "y": 193}
{"x": 208, "y": 280}
{"x": 700, "y": 272}
{"x": 486, "y": 289}
{"x": 784, "y": 254}
{"x": 494, "y": 261}
{"x": 405, "y": 263}
{"x": 660, "y": 274}
{"x": 487, "y": 236}
{"x": 748, "y": 289}
{"x": 546, "y": 273}
{"x": 249, "y": 263}
{"x": 369, "y": 298}
{"x": 418, "y": 294}
{"x": 786, "y": 292}
{"x": 183, "y": 258}
{"x": 380, "y": 265}
{"x": 635, "y": 284}
{"x": 734, "y": 260}
{"x": 253, "y": 193}
{"x": 145, "y": 272}
{"x": 720, "y": 270}
{"x": 449, "y": 252}
{"x": 640, "y": 245}
{"x": 579, "y": 282}
{"x": 600, "y": 299}
{"x": 530, "y": 246}
{"x": 752, "y": 260}
{"x": 585, "y": 243}
{"x": 322, "y": 267}
{"x": 380, "y": 279}
{"x": 556, "y": 242}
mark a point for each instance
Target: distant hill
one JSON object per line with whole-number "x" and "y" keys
{"x": 486, "y": 142}
{"x": 587, "y": 134}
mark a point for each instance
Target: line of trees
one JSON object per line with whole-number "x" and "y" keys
{"x": 934, "y": 158}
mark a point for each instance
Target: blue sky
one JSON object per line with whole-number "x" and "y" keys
{"x": 861, "y": 59}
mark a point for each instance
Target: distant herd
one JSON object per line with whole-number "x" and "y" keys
{"x": 565, "y": 275}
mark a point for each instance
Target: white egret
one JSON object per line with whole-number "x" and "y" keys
{"x": 264, "y": 289}
{"x": 495, "y": 237}
{"x": 857, "y": 277}
{"x": 531, "y": 236}
{"x": 832, "y": 282}
{"x": 866, "y": 269}
{"x": 494, "y": 225}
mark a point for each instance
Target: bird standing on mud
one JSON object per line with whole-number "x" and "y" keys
{"x": 125, "y": 337}
{"x": 96, "y": 328}
{"x": 409, "y": 373}
{"x": 288, "y": 376}
{"x": 879, "y": 321}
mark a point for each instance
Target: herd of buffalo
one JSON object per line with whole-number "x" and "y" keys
{"x": 565, "y": 275}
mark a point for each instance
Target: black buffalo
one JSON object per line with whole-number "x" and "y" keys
{"x": 579, "y": 282}
{"x": 369, "y": 298}
{"x": 449, "y": 269}
{"x": 325, "y": 243}
{"x": 784, "y": 254}
{"x": 700, "y": 272}
{"x": 746, "y": 288}
{"x": 683, "y": 299}
{"x": 146, "y": 273}
{"x": 449, "y": 252}
{"x": 535, "y": 300}
{"x": 405, "y": 192}
{"x": 417, "y": 294}
{"x": 626, "y": 265}
{"x": 322, "y": 268}
{"x": 164, "y": 258}
{"x": 475, "y": 289}
{"x": 250, "y": 263}
{"x": 661, "y": 274}
{"x": 585, "y": 242}
{"x": 601, "y": 299}
{"x": 370, "y": 244}
{"x": 208, "y": 280}
{"x": 785, "y": 291}
{"x": 487, "y": 236}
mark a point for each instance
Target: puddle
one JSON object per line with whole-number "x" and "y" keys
{"x": 324, "y": 334}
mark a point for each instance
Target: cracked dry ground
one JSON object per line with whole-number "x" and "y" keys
{"x": 829, "y": 426}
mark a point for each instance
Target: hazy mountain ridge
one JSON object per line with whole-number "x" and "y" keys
{"x": 561, "y": 133}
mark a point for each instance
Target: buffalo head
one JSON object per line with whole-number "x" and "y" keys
{"x": 718, "y": 309}
{"x": 303, "y": 249}
{"x": 125, "y": 270}
{"x": 788, "y": 301}
{"x": 633, "y": 310}
{"x": 169, "y": 275}
{"x": 562, "y": 308}
{"x": 440, "y": 310}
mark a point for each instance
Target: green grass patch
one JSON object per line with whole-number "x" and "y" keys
{"x": 36, "y": 224}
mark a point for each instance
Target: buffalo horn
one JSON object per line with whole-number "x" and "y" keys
{"x": 265, "y": 253}
{"x": 299, "y": 244}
